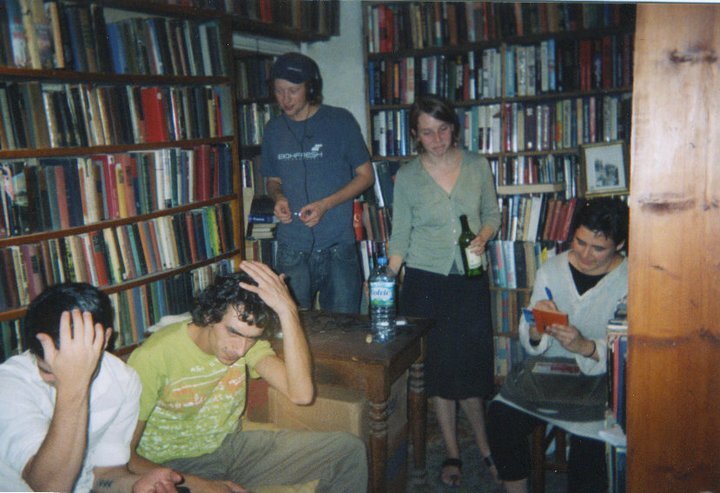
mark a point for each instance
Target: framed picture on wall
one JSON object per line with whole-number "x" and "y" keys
{"x": 603, "y": 169}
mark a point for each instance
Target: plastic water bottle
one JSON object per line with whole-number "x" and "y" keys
{"x": 382, "y": 302}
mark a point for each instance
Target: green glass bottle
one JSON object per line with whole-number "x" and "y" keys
{"x": 472, "y": 262}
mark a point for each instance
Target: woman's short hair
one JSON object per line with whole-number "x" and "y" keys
{"x": 608, "y": 216}
{"x": 437, "y": 107}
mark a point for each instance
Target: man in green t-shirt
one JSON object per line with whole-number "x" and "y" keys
{"x": 193, "y": 374}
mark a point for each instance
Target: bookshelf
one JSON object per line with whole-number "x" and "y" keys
{"x": 531, "y": 84}
{"x": 256, "y": 105}
{"x": 116, "y": 158}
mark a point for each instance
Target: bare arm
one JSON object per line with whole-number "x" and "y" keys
{"x": 119, "y": 479}
{"x": 293, "y": 376}
{"x": 59, "y": 460}
{"x": 364, "y": 177}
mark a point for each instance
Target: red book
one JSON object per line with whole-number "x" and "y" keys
{"x": 61, "y": 196}
{"x": 109, "y": 184}
{"x": 99, "y": 255}
{"x": 552, "y": 204}
{"x": 191, "y": 237}
{"x": 153, "y": 105}
{"x": 202, "y": 172}
{"x": 357, "y": 220}
{"x": 568, "y": 216}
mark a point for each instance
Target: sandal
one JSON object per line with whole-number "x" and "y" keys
{"x": 454, "y": 479}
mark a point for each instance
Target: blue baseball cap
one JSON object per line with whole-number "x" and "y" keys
{"x": 294, "y": 67}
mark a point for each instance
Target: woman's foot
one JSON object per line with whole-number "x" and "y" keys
{"x": 451, "y": 472}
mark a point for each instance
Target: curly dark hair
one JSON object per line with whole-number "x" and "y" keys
{"x": 605, "y": 215}
{"x": 210, "y": 306}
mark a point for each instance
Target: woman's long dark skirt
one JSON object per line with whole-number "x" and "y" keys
{"x": 459, "y": 362}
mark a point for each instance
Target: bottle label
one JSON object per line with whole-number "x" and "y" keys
{"x": 474, "y": 260}
{"x": 382, "y": 293}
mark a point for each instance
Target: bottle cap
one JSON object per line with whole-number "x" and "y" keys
{"x": 382, "y": 261}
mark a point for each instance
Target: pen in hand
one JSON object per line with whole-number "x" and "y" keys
{"x": 549, "y": 293}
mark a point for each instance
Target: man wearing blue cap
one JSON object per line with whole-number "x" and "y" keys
{"x": 315, "y": 161}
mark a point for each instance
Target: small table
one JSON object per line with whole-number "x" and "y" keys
{"x": 342, "y": 356}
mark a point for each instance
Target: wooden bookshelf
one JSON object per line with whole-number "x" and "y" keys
{"x": 531, "y": 83}
{"x": 148, "y": 216}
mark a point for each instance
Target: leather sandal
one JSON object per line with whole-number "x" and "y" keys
{"x": 454, "y": 479}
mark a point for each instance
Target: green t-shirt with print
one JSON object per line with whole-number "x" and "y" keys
{"x": 190, "y": 401}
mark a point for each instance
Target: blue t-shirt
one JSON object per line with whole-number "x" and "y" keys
{"x": 314, "y": 158}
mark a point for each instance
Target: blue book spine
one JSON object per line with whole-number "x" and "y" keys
{"x": 117, "y": 49}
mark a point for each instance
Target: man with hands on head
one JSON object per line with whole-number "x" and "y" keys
{"x": 67, "y": 408}
{"x": 194, "y": 375}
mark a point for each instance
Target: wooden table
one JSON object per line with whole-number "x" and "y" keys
{"x": 342, "y": 356}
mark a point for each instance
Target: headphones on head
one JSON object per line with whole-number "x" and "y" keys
{"x": 315, "y": 82}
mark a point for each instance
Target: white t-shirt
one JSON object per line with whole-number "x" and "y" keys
{"x": 26, "y": 409}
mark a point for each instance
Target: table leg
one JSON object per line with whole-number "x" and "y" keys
{"x": 378, "y": 445}
{"x": 418, "y": 421}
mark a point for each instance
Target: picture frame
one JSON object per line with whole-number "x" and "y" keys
{"x": 604, "y": 169}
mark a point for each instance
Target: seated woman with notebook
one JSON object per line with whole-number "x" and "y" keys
{"x": 585, "y": 282}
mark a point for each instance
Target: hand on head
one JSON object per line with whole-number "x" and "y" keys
{"x": 81, "y": 346}
{"x": 271, "y": 287}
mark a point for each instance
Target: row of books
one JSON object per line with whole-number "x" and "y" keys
{"x": 135, "y": 309}
{"x": 561, "y": 124}
{"x": 253, "y": 117}
{"x": 47, "y": 34}
{"x": 370, "y": 250}
{"x": 569, "y": 65}
{"x": 49, "y": 194}
{"x": 372, "y": 222}
{"x": 508, "y": 352}
{"x": 251, "y": 176}
{"x": 527, "y": 170}
{"x": 538, "y": 217}
{"x": 252, "y": 77}
{"x": 114, "y": 255}
{"x": 546, "y": 67}
{"x": 506, "y": 310}
{"x": 617, "y": 353}
{"x": 166, "y": 46}
{"x": 42, "y": 115}
{"x": 513, "y": 264}
{"x": 421, "y": 25}
{"x": 463, "y": 77}
{"x": 516, "y": 126}
{"x": 617, "y": 331}
{"x": 391, "y": 133}
{"x": 263, "y": 250}
{"x": 261, "y": 220}
{"x": 313, "y": 16}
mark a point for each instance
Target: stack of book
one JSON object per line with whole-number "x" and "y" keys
{"x": 261, "y": 219}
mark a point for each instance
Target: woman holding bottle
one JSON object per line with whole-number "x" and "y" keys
{"x": 431, "y": 193}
